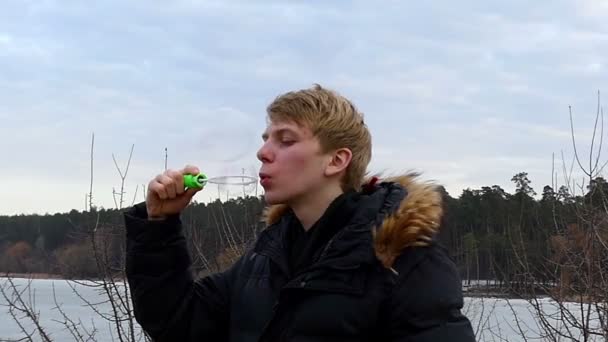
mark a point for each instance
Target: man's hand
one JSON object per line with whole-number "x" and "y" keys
{"x": 167, "y": 194}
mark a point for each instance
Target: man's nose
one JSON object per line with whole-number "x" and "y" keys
{"x": 264, "y": 154}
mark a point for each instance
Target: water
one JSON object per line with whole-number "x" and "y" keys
{"x": 45, "y": 296}
{"x": 493, "y": 319}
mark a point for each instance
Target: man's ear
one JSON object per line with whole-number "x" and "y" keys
{"x": 339, "y": 161}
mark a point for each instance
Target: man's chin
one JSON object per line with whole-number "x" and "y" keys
{"x": 273, "y": 199}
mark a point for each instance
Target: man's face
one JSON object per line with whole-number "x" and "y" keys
{"x": 293, "y": 165}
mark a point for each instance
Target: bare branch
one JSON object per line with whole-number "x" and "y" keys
{"x": 91, "y": 186}
{"x": 591, "y": 167}
{"x": 574, "y": 143}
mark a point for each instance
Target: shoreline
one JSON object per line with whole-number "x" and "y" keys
{"x": 33, "y": 276}
{"x": 46, "y": 276}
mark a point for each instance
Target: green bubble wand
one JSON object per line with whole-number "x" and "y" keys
{"x": 200, "y": 180}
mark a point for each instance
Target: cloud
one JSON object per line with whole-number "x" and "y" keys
{"x": 593, "y": 8}
{"x": 5, "y": 40}
{"x": 469, "y": 93}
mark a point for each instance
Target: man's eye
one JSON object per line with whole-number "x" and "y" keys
{"x": 287, "y": 142}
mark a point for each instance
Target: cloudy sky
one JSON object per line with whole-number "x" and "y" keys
{"x": 468, "y": 92}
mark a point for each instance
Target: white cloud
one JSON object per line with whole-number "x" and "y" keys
{"x": 593, "y": 8}
{"x": 5, "y": 39}
{"x": 468, "y": 93}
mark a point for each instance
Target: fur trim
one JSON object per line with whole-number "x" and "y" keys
{"x": 273, "y": 213}
{"x": 414, "y": 224}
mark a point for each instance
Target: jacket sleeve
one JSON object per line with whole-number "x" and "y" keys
{"x": 426, "y": 303}
{"x": 167, "y": 302}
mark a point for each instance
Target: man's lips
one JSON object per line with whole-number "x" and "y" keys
{"x": 264, "y": 179}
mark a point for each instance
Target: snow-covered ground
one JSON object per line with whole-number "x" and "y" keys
{"x": 501, "y": 319}
{"x": 493, "y": 319}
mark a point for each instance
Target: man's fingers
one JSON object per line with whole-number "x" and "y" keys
{"x": 178, "y": 180}
{"x": 169, "y": 185}
{"x": 187, "y": 196}
{"x": 191, "y": 192}
{"x": 167, "y": 193}
{"x": 158, "y": 188}
{"x": 190, "y": 170}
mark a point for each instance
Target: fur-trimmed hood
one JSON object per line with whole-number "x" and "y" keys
{"x": 414, "y": 223}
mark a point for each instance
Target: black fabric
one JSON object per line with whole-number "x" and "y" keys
{"x": 344, "y": 294}
{"x": 296, "y": 239}
{"x": 306, "y": 246}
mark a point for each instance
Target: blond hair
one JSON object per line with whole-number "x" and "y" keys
{"x": 334, "y": 120}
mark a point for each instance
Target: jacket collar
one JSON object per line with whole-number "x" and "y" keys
{"x": 395, "y": 214}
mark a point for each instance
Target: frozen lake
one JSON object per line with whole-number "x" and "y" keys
{"x": 51, "y": 319}
{"x": 492, "y": 318}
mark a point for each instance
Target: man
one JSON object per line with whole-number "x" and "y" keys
{"x": 341, "y": 259}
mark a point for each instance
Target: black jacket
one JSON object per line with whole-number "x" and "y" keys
{"x": 379, "y": 278}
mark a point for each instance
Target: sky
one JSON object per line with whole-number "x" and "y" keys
{"x": 468, "y": 93}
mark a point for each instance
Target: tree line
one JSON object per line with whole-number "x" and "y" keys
{"x": 488, "y": 231}
{"x": 68, "y": 244}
